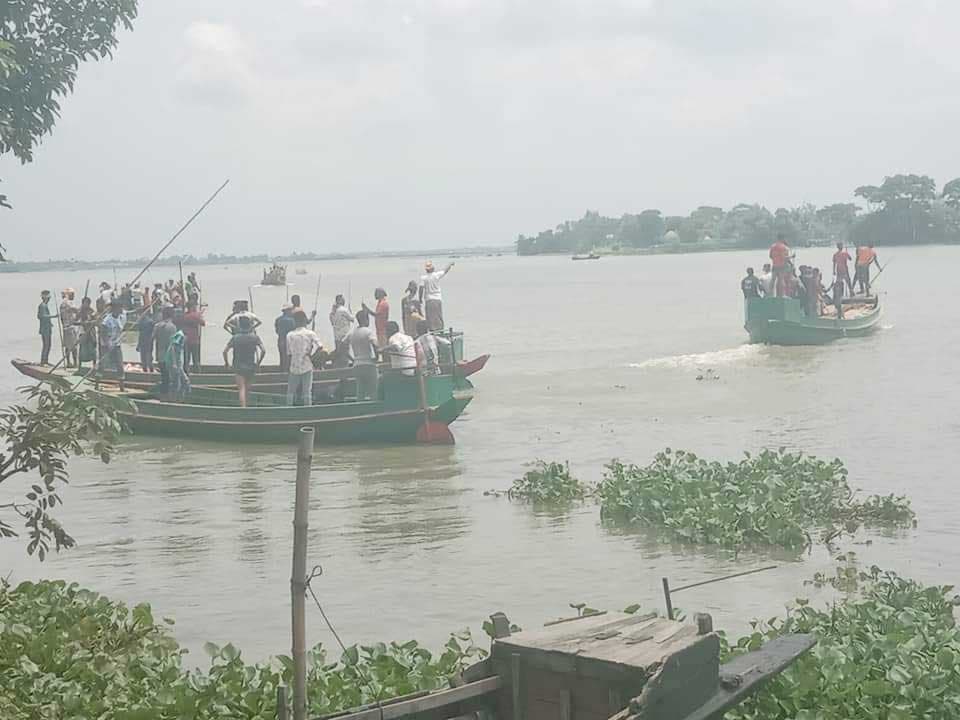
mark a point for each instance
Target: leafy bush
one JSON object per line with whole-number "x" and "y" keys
{"x": 548, "y": 483}
{"x": 892, "y": 652}
{"x": 71, "y": 653}
{"x": 771, "y": 498}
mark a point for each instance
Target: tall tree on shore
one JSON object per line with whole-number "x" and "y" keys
{"x": 42, "y": 43}
{"x": 951, "y": 193}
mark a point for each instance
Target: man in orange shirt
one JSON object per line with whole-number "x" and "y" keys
{"x": 866, "y": 256}
{"x": 780, "y": 257}
{"x": 841, "y": 268}
{"x": 381, "y": 316}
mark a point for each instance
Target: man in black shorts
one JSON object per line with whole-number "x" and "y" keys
{"x": 248, "y": 352}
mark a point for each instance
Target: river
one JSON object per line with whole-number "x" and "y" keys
{"x": 591, "y": 361}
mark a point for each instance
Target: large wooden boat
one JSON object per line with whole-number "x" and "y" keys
{"x": 782, "y": 321}
{"x": 591, "y": 256}
{"x": 215, "y": 414}
{"x": 275, "y": 275}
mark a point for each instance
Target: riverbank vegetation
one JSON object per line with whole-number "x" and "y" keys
{"x": 772, "y": 498}
{"x": 891, "y": 650}
{"x": 66, "y": 652}
{"x": 902, "y": 210}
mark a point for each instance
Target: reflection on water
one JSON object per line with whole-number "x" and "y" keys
{"x": 409, "y": 544}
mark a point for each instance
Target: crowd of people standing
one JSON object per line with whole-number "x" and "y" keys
{"x": 781, "y": 277}
{"x": 169, "y": 317}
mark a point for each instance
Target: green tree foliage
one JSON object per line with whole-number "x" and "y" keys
{"x": 903, "y": 209}
{"x": 42, "y": 43}
{"x": 951, "y": 193}
{"x": 36, "y": 441}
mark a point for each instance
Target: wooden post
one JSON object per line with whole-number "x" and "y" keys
{"x": 282, "y": 702}
{"x": 666, "y": 597}
{"x": 298, "y": 576}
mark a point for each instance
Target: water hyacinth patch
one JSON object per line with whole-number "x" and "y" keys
{"x": 891, "y": 652}
{"x": 772, "y": 498}
{"x": 66, "y": 652}
{"x": 548, "y": 483}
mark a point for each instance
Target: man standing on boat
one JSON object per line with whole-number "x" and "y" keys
{"x": 866, "y": 256}
{"x": 112, "y": 327}
{"x": 248, "y": 352}
{"x": 363, "y": 347}
{"x": 163, "y": 332}
{"x": 766, "y": 280}
{"x": 342, "y": 323}
{"x": 430, "y": 294}
{"x": 841, "y": 268}
{"x": 284, "y": 325}
{"x": 750, "y": 285}
{"x": 381, "y": 316}
{"x": 190, "y": 324}
{"x": 302, "y": 343}
{"x": 780, "y": 258}
{"x": 46, "y": 326}
{"x": 69, "y": 314}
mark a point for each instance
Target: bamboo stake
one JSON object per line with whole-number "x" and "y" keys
{"x": 298, "y": 576}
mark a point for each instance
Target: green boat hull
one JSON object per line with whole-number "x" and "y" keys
{"x": 214, "y": 413}
{"x": 781, "y": 321}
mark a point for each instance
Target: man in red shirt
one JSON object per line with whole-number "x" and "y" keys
{"x": 841, "y": 269}
{"x": 190, "y": 324}
{"x": 780, "y": 258}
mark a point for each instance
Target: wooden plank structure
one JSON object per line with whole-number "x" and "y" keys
{"x": 605, "y": 666}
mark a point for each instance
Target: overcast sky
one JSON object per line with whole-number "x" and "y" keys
{"x": 401, "y": 124}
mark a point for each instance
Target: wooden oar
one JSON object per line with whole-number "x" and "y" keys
{"x": 431, "y": 432}
{"x": 316, "y": 303}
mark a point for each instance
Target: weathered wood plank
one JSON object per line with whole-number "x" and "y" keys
{"x": 746, "y": 673}
{"x": 425, "y": 703}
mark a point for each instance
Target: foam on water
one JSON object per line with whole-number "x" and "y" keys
{"x": 712, "y": 358}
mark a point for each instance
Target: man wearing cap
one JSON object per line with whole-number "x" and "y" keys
{"x": 430, "y": 295}
{"x": 284, "y": 325}
{"x": 46, "y": 327}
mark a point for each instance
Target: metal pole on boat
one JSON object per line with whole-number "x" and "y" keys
{"x": 298, "y": 576}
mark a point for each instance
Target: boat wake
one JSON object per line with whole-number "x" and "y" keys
{"x": 713, "y": 358}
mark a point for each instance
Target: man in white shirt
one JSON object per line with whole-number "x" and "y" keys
{"x": 302, "y": 343}
{"x": 362, "y": 341}
{"x": 341, "y": 320}
{"x": 766, "y": 281}
{"x": 401, "y": 350}
{"x": 431, "y": 296}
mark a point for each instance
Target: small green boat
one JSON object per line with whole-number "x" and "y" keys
{"x": 782, "y": 321}
{"x": 214, "y": 413}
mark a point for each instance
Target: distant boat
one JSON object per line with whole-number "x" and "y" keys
{"x": 591, "y": 256}
{"x": 275, "y": 275}
{"x": 301, "y": 271}
{"x": 782, "y": 321}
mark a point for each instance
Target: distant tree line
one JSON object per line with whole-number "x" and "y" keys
{"x": 902, "y": 210}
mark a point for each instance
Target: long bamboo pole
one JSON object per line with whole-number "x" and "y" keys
{"x": 298, "y": 576}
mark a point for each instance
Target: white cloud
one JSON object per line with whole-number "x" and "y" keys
{"x": 216, "y": 65}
